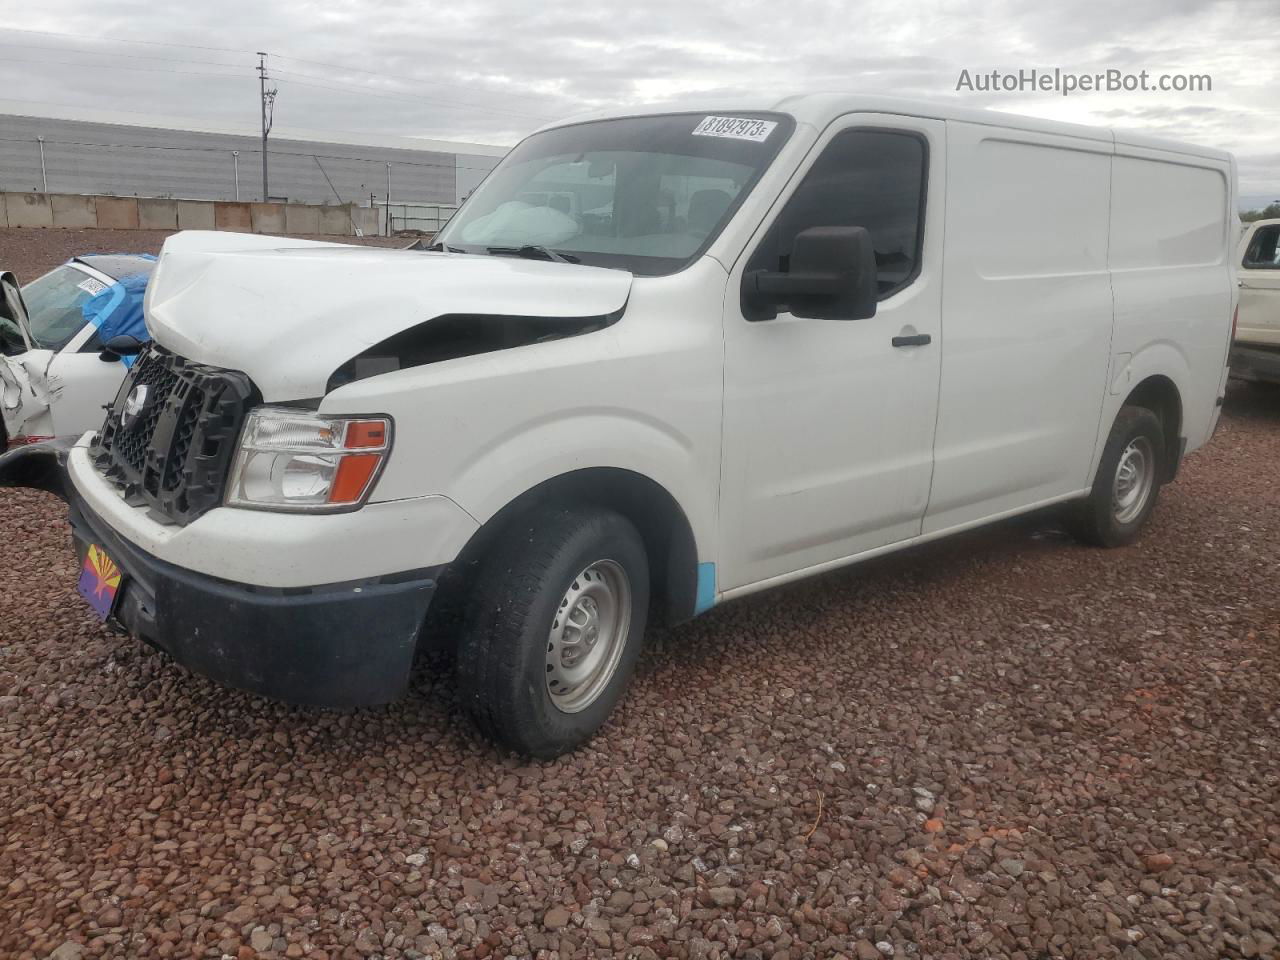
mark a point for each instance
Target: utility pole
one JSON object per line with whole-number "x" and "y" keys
{"x": 268, "y": 98}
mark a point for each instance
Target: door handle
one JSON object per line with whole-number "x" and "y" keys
{"x": 915, "y": 340}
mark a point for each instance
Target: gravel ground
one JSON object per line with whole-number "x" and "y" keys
{"x": 1005, "y": 745}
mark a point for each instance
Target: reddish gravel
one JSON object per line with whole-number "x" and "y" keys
{"x": 1005, "y": 745}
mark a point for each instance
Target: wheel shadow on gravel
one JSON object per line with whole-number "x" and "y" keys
{"x": 895, "y": 580}
{"x": 894, "y": 586}
{"x": 1255, "y": 402}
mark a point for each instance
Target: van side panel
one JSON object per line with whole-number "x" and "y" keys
{"x": 1171, "y": 231}
{"x": 1026, "y": 320}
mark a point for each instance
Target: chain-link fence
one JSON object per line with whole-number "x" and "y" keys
{"x": 425, "y": 218}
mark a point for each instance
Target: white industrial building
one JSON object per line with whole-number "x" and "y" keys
{"x": 114, "y": 155}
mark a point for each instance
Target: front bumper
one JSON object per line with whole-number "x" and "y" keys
{"x": 342, "y": 645}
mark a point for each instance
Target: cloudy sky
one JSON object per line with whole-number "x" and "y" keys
{"x": 489, "y": 71}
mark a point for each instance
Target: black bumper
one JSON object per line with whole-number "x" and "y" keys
{"x": 339, "y": 645}
{"x": 1255, "y": 363}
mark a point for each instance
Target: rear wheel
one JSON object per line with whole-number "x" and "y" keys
{"x": 553, "y": 628}
{"x": 1127, "y": 484}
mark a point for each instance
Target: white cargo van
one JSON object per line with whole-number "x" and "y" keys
{"x": 732, "y": 348}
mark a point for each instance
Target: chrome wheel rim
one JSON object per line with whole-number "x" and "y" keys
{"x": 1135, "y": 476}
{"x": 588, "y": 635}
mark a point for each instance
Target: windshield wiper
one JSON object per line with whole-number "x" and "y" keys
{"x": 531, "y": 251}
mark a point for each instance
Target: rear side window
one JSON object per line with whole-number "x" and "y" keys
{"x": 1264, "y": 250}
{"x": 864, "y": 178}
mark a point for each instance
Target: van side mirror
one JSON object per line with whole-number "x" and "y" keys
{"x": 122, "y": 345}
{"x": 832, "y": 276}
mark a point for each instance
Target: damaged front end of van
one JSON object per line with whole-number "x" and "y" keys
{"x": 238, "y": 403}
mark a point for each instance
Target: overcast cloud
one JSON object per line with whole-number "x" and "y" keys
{"x": 490, "y": 71}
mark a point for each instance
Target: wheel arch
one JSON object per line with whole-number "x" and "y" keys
{"x": 658, "y": 517}
{"x": 1159, "y": 394}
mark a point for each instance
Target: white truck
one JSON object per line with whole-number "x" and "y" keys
{"x": 761, "y": 344}
{"x": 1255, "y": 354}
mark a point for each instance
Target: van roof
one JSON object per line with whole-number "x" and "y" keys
{"x": 820, "y": 109}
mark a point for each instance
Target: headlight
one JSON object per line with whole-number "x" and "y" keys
{"x": 296, "y": 460}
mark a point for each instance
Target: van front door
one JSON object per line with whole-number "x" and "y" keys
{"x": 828, "y": 424}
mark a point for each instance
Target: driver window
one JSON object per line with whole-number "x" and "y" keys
{"x": 864, "y": 178}
{"x": 1264, "y": 250}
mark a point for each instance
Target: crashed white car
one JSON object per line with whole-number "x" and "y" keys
{"x": 55, "y": 378}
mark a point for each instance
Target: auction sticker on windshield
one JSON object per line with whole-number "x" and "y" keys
{"x": 735, "y": 128}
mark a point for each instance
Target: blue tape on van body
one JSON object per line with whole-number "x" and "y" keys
{"x": 706, "y": 597}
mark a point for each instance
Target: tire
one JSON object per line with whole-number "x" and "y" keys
{"x": 548, "y": 578}
{"x": 1115, "y": 511}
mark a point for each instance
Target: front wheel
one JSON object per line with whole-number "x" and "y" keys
{"x": 553, "y": 628}
{"x": 1127, "y": 484}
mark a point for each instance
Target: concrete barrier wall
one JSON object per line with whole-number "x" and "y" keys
{"x": 117, "y": 213}
{"x": 75, "y": 211}
{"x": 28, "y": 209}
{"x": 157, "y": 215}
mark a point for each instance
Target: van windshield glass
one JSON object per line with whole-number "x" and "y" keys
{"x": 647, "y": 194}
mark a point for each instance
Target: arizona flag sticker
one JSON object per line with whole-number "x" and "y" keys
{"x": 99, "y": 581}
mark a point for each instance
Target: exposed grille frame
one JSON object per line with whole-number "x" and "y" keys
{"x": 174, "y": 454}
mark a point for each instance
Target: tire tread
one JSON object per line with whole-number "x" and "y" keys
{"x": 511, "y": 581}
{"x": 1090, "y": 519}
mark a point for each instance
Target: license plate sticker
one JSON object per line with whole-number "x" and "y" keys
{"x": 735, "y": 128}
{"x": 99, "y": 581}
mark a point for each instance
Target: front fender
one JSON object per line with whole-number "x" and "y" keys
{"x": 530, "y": 452}
{"x": 40, "y": 466}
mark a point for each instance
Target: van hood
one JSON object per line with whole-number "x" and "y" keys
{"x": 290, "y": 312}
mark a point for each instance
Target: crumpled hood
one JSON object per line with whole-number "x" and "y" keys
{"x": 290, "y": 312}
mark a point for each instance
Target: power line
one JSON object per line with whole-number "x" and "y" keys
{"x": 332, "y": 86}
{"x": 112, "y": 53}
{"x": 279, "y": 56}
{"x": 286, "y": 78}
{"x": 393, "y": 76}
{"x": 101, "y": 39}
{"x": 368, "y": 89}
{"x": 319, "y": 139}
{"x": 132, "y": 113}
{"x": 275, "y": 153}
{"x": 122, "y": 66}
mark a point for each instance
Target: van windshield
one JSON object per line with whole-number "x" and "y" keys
{"x": 647, "y": 194}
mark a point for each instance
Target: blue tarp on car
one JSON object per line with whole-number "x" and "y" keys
{"x": 117, "y": 310}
